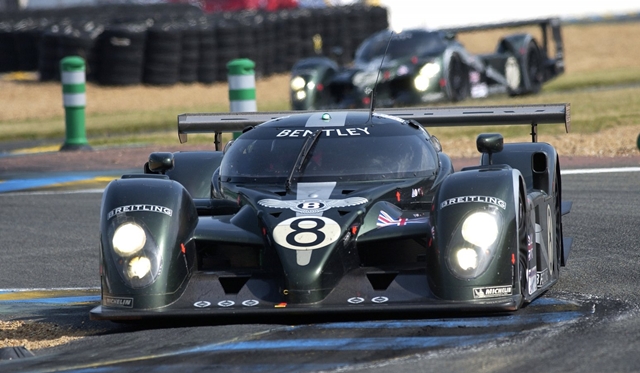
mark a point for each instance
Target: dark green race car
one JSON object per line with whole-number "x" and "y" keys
{"x": 417, "y": 66}
{"x": 335, "y": 212}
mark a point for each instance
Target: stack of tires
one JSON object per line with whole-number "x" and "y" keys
{"x": 121, "y": 49}
{"x": 166, "y": 44}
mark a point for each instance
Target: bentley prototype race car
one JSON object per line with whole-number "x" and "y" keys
{"x": 423, "y": 66}
{"x": 336, "y": 211}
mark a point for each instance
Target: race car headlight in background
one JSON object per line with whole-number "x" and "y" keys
{"x": 137, "y": 258}
{"x": 426, "y": 73}
{"x": 297, "y": 83}
{"x": 474, "y": 243}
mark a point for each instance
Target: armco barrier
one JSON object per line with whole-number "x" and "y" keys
{"x": 163, "y": 44}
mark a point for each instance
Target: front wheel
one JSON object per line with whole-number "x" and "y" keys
{"x": 458, "y": 79}
{"x": 534, "y": 68}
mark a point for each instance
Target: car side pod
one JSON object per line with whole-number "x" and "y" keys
{"x": 146, "y": 229}
{"x": 489, "y": 143}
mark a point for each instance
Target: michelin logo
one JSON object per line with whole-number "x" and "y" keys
{"x": 118, "y": 302}
{"x": 492, "y": 292}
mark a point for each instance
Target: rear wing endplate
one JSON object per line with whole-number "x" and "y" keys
{"x": 429, "y": 117}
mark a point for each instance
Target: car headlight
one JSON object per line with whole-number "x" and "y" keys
{"x": 467, "y": 258}
{"x": 301, "y": 95}
{"x": 139, "y": 267}
{"x": 128, "y": 239}
{"x": 421, "y": 83}
{"x": 473, "y": 244}
{"x": 480, "y": 229}
{"x": 137, "y": 259}
{"x": 297, "y": 83}
{"x": 430, "y": 70}
{"x": 426, "y": 73}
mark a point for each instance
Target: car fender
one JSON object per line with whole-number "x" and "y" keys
{"x": 166, "y": 213}
{"x": 483, "y": 188}
{"x": 536, "y": 161}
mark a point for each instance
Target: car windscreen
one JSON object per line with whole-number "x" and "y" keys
{"x": 347, "y": 154}
{"x": 405, "y": 44}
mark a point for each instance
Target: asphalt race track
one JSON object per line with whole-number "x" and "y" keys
{"x": 588, "y": 322}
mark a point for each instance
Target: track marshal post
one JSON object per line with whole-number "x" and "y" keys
{"x": 242, "y": 86}
{"x": 74, "y": 99}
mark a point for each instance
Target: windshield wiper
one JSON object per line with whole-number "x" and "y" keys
{"x": 303, "y": 157}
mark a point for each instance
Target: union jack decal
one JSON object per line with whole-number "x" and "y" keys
{"x": 385, "y": 220}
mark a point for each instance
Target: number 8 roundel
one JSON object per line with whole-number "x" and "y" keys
{"x": 306, "y": 232}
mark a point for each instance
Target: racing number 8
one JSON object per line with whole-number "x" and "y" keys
{"x": 303, "y": 232}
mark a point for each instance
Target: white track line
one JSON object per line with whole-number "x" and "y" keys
{"x": 47, "y": 289}
{"x": 599, "y": 170}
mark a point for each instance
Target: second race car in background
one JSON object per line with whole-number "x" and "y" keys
{"x": 417, "y": 66}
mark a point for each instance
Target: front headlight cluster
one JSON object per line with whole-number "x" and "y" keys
{"x": 426, "y": 73}
{"x": 136, "y": 255}
{"x": 298, "y": 85}
{"x": 474, "y": 243}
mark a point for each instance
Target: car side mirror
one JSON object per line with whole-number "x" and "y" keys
{"x": 160, "y": 162}
{"x": 490, "y": 143}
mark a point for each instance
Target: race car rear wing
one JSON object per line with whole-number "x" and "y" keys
{"x": 546, "y": 25}
{"x": 429, "y": 117}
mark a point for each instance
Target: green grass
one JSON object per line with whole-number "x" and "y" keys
{"x": 599, "y": 101}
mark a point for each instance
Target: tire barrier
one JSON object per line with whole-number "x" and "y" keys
{"x": 166, "y": 44}
{"x": 121, "y": 51}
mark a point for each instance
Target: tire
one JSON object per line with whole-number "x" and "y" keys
{"x": 534, "y": 69}
{"x": 458, "y": 79}
{"x": 523, "y": 250}
{"x": 558, "y": 212}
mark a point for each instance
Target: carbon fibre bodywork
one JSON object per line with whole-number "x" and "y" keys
{"x": 417, "y": 66}
{"x": 333, "y": 212}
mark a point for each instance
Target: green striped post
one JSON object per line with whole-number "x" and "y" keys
{"x": 74, "y": 99}
{"x": 242, "y": 86}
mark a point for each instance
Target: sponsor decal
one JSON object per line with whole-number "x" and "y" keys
{"x": 202, "y": 304}
{"x": 532, "y": 280}
{"x": 250, "y": 303}
{"x": 312, "y": 206}
{"x": 385, "y": 220}
{"x": 139, "y": 208}
{"x": 380, "y": 300}
{"x": 328, "y": 132}
{"x": 118, "y": 302}
{"x": 470, "y": 199}
{"x": 492, "y": 292}
{"x": 355, "y": 300}
{"x": 542, "y": 277}
{"x": 479, "y": 90}
{"x": 226, "y": 303}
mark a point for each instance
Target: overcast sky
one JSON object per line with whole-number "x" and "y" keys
{"x": 444, "y": 13}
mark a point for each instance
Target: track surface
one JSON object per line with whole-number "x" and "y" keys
{"x": 588, "y": 322}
